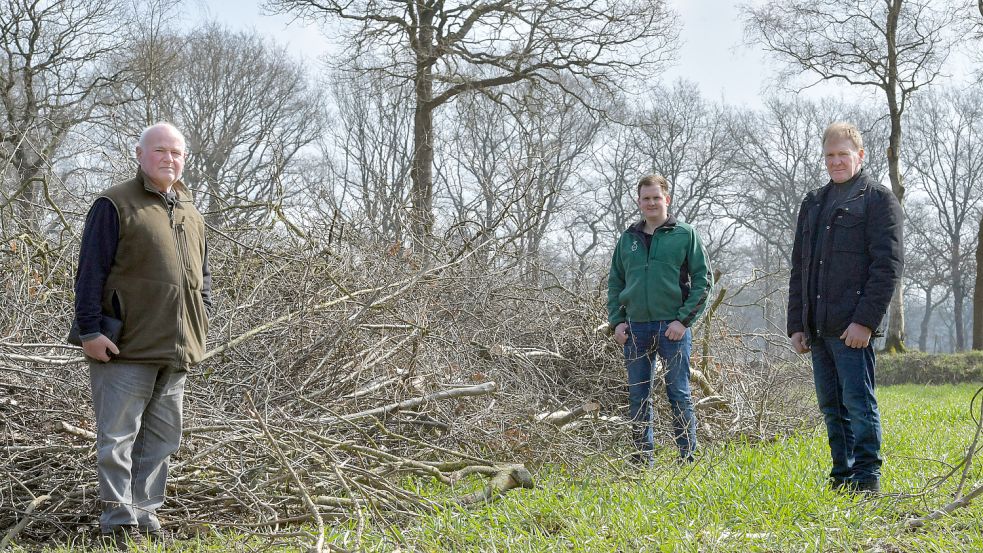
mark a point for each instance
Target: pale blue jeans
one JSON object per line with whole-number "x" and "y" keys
{"x": 138, "y": 425}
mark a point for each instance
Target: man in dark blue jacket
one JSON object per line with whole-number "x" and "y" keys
{"x": 846, "y": 262}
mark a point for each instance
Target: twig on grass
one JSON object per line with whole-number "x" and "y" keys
{"x": 22, "y": 523}
{"x": 939, "y": 513}
{"x": 972, "y": 446}
{"x": 959, "y": 500}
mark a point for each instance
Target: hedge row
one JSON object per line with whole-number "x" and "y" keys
{"x": 927, "y": 368}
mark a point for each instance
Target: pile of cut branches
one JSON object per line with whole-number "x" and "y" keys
{"x": 337, "y": 374}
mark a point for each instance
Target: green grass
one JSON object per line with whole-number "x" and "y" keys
{"x": 740, "y": 497}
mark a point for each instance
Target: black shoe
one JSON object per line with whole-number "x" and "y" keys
{"x": 838, "y": 484}
{"x": 865, "y": 487}
{"x": 643, "y": 460}
{"x": 120, "y": 538}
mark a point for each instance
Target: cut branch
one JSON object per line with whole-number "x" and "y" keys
{"x": 469, "y": 391}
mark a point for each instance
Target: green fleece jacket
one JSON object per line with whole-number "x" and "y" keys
{"x": 669, "y": 280}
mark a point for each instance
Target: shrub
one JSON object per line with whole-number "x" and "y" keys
{"x": 927, "y": 368}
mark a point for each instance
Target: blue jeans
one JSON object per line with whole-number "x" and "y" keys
{"x": 845, "y": 389}
{"x": 645, "y": 341}
{"x": 138, "y": 426}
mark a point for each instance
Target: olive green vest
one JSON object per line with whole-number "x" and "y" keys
{"x": 156, "y": 276}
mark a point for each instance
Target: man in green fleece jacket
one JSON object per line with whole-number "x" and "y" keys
{"x": 658, "y": 287}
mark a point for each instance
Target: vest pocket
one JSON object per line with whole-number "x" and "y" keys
{"x": 182, "y": 244}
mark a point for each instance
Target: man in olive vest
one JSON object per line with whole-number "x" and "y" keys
{"x": 142, "y": 260}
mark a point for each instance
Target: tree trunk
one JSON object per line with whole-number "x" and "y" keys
{"x": 421, "y": 173}
{"x": 26, "y": 200}
{"x": 894, "y": 339}
{"x": 926, "y": 321}
{"x": 958, "y": 297}
{"x": 978, "y": 290}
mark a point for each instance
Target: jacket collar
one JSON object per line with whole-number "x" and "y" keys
{"x": 858, "y": 183}
{"x": 176, "y": 192}
{"x": 639, "y": 227}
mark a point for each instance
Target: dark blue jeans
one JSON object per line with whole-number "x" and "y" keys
{"x": 645, "y": 341}
{"x": 845, "y": 390}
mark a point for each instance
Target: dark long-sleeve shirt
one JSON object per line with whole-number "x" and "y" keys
{"x": 96, "y": 254}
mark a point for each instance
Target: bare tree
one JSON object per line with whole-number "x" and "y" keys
{"x": 554, "y": 139}
{"x": 515, "y": 164}
{"x": 684, "y": 138}
{"x": 978, "y": 288}
{"x": 53, "y": 75}
{"x": 895, "y": 46}
{"x": 371, "y": 153}
{"x": 154, "y": 58}
{"x": 946, "y": 137}
{"x": 448, "y": 50}
{"x": 604, "y": 204}
{"x": 925, "y": 273}
{"x": 612, "y": 174}
{"x": 475, "y": 177}
{"x": 247, "y": 110}
{"x": 777, "y": 162}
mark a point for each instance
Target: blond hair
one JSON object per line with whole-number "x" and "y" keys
{"x": 844, "y": 130}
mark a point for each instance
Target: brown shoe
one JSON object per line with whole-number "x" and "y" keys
{"x": 120, "y": 538}
{"x": 157, "y": 536}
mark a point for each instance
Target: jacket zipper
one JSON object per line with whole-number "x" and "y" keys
{"x": 178, "y": 355}
{"x": 827, "y": 246}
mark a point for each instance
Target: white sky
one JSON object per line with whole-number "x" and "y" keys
{"x": 712, "y": 53}
{"x": 302, "y": 41}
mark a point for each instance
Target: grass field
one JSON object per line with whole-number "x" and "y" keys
{"x": 765, "y": 497}
{"x": 743, "y": 497}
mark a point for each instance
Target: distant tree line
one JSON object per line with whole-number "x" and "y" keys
{"x": 521, "y": 124}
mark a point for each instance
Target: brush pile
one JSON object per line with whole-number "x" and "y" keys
{"x": 341, "y": 374}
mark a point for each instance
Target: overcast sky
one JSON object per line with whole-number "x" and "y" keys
{"x": 714, "y": 56}
{"x": 712, "y": 53}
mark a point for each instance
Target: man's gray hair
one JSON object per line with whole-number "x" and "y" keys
{"x": 146, "y": 131}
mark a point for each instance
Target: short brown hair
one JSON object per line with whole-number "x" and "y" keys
{"x": 652, "y": 180}
{"x": 844, "y": 130}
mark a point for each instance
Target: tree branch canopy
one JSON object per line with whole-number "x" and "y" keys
{"x": 441, "y": 53}
{"x": 482, "y": 44}
{"x": 849, "y": 40}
